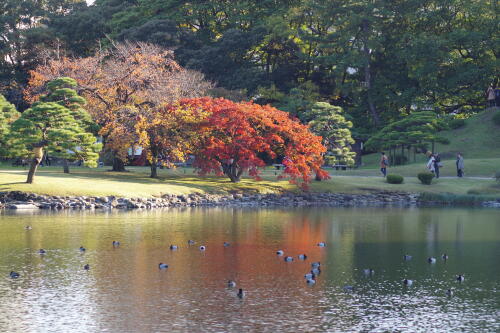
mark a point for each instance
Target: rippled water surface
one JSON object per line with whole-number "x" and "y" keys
{"x": 124, "y": 291}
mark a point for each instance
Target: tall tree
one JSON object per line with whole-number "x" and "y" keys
{"x": 236, "y": 136}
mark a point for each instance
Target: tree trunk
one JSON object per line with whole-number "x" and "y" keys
{"x": 433, "y": 147}
{"x": 232, "y": 171}
{"x": 154, "y": 163}
{"x": 118, "y": 165}
{"x": 368, "y": 76}
{"x": 38, "y": 155}
{"x": 66, "y": 166}
{"x": 154, "y": 168}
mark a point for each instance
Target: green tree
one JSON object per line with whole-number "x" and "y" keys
{"x": 8, "y": 114}
{"x": 50, "y": 126}
{"x": 62, "y": 91}
{"x": 329, "y": 122}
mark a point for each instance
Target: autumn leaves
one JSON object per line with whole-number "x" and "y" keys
{"x": 139, "y": 96}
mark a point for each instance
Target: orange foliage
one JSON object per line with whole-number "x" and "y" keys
{"x": 122, "y": 85}
{"x": 234, "y": 137}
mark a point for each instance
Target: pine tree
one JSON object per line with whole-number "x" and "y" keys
{"x": 329, "y": 122}
{"x": 51, "y": 126}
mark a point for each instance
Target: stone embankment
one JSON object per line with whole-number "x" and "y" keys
{"x": 21, "y": 200}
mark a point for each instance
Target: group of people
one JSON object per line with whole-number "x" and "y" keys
{"x": 493, "y": 96}
{"x": 433, "y": 164}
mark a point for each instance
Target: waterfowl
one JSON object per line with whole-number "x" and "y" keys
{"x": 231, "y": 284}
{"x": 280, "y": 252}
{"x": 460, "y": 278}
{"x": 82, "y": 249}
{"x": 407, "y": 257}
{"x": 444, "y": 256}
{"x": 316, "y": 271}
{"x": 86, "y": 267}
{"x": 14, "y": 275}
{"x": 288, "y": 259}
{"x": 41, "y": 251}
{"x": 28, "y": 227}
{"x": 449, "y": 292}
{"x": 315, "y": 264}
{"x": 368, "y": 271}
{"x": 302, "y": 256}
{"x": 407, "y": 282}
{"x": 162, "y": 266}
{"x": 116, "y": 243}
{"x": 311, "y": 281}
{"x": 310, "y": 275}
{"x": 321, "y": 244}
{"x": 202, "y": 248}
{"x": 173, "y": 247}
{"x": 431, "y": 260}
{"x": 226, "y": 244}
{"x": 240, "y": 293}
{"x": 191, "y": 242}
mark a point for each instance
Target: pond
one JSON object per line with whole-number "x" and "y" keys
{"x": 125, "y": 291}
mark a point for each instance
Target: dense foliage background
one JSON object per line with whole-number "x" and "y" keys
{"x": 379, "y": 60}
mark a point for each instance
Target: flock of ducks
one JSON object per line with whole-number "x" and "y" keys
{"x": 433, "y": 260}
{"x": 310, "y": 277}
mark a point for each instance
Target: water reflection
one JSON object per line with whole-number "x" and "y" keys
{"x": 125, "y": 292}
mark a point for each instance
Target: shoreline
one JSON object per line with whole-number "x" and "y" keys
{"x": 16, "y": 200}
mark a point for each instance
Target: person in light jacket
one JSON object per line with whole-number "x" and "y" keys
{"x": 431, "y": 163}
{"x": 460, "y": 165}
{"x": 490, "y": 94}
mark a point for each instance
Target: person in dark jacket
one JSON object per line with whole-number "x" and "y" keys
{"x": 437, "y": 164}
{"x": 460, "y": 165}
{"x": 384, "y": 162}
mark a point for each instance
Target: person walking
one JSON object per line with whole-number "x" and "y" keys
{"x": 460, "y": 165}
{"x": 384, "y": 163}
{"x": 430, "y": 163}
{"x": 437, "y": 164}
{"x": 490, "y": 94}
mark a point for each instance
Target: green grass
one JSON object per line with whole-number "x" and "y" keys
{"x": 136, "y": 183}
{"x": 479, "y": 138}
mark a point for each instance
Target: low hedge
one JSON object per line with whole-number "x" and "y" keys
{"x": 425, "y": 177}
{"x": 457, "y": 123}
{"x": 394, "y": 179}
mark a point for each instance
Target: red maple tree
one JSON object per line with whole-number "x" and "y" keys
{"x": 234, "y": 138}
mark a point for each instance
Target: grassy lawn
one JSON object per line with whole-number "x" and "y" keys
{"x": 136, "y": 183}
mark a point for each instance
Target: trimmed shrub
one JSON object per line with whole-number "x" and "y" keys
{"x": 456, "y": 123}
{"x": 425, "y": 177}
{"x": 394, "y": 179}
{"x": 496, "y": 118}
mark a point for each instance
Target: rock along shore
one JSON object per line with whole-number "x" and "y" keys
{"x": 23, "y": 201}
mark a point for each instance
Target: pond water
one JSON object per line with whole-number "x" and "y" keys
{"x": 124, "y": 291}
